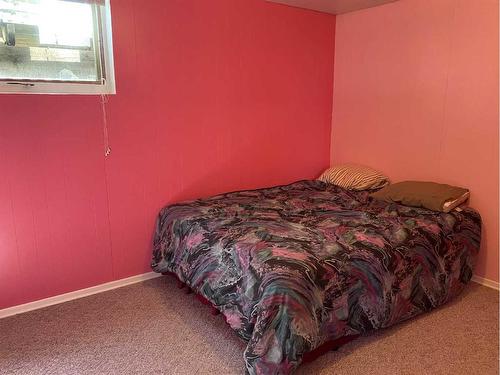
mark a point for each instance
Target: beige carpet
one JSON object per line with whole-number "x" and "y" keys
{"x": 154, "y": 328}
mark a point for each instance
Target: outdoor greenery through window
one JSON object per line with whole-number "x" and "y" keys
{"x": 54, "y": 41}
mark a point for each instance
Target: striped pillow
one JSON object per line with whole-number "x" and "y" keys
{"x": 354, "y": 177}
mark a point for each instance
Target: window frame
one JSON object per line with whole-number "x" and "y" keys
{"x": 108, "y": 87}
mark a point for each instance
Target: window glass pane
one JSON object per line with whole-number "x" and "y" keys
{"x": 52, "y": 40}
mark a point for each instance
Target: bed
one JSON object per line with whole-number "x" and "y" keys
{"x": 294, "y": 267}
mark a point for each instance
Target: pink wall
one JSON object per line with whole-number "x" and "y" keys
{"x": 416, "y": 95}
{"x": 212, "y": 96}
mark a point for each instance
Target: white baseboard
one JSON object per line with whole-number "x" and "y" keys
{"x": 486, "y": 282}
{"x": 132, "y": 280}
{"x": 76, "y": 294}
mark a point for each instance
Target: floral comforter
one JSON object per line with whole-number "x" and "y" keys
{"x": 293, "y": 267}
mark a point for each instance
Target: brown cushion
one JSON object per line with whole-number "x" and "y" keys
{"x": 436, "y": 197}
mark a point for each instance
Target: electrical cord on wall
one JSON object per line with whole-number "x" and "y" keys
{"x": 107, "y": 149}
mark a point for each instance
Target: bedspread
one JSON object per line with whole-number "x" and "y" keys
{"x": 292, "y": 267}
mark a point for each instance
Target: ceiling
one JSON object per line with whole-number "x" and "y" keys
{"x": 333, "y": 6}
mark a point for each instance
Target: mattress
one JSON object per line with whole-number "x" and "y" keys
{"x": 293, "y": 267}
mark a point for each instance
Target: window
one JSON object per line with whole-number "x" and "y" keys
{"x": 56, "y": 46}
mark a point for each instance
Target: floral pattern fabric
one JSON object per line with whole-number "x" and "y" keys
{"x": 293, "y": 267}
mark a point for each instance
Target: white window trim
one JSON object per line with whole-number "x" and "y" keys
{"x": 66, "y": 88}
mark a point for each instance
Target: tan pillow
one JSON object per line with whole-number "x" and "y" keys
{"x": 436, "y": 197}
{"x": 354, "y": 177}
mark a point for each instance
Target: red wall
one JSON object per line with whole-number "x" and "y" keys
{"x": 212, "y": 96}
{"x": 416, "y": 95}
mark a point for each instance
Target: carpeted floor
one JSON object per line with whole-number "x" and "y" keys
{"x": 154, "y": 328}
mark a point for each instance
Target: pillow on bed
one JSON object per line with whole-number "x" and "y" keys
{"x": 354, "y": 177}
{"x": 436, "y": 197}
